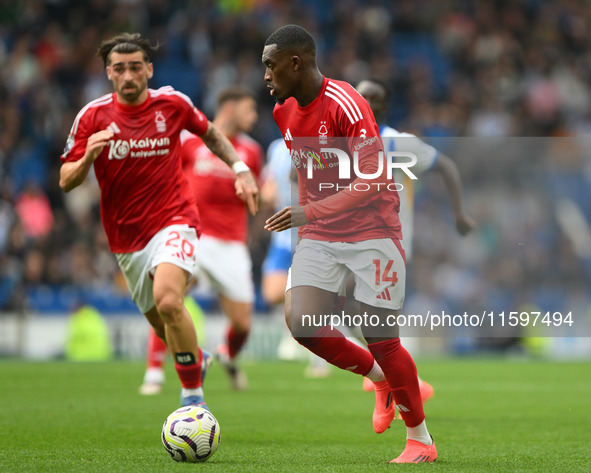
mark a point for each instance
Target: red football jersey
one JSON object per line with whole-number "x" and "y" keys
{"x": 338, "y": 118}
{"x": 139, "y": 172}
{"x": 222, "y": 213}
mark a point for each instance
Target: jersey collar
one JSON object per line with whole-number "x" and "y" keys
{"x": 133, "y": 108}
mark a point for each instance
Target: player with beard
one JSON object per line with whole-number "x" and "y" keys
{"x": 132, "y": 140}
{"x": 225, "y": 259}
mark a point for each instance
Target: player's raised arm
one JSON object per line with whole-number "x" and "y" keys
{"x": 73, "y": 173}
{"x": 246, "y": 186}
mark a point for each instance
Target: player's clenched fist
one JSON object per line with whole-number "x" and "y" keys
{"x": 96, "y": 143}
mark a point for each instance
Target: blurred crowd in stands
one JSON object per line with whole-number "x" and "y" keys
{"x": 464, "y": 74}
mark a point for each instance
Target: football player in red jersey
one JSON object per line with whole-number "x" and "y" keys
{"x": 131, "y": 139}
{"x": 348, "y": 222}
{"x": 225, "y": 260}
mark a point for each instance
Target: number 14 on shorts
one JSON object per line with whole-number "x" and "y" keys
{"x": 387, "y": 276}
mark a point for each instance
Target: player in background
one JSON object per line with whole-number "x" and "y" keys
{"x": 224, "y": 256}
{"x": 355, "y": 228}
{"x": 131, "y": 138}
{"x": 428, "y": 159}
{"x": 277, "y": 191}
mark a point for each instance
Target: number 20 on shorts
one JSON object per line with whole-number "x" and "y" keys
{"x": 175, "y": 241}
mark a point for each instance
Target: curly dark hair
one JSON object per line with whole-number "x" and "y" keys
{"x": 126, "y": 43}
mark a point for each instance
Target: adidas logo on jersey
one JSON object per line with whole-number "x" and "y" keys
{"x": 114, "y": 128}
{"x": 288, "y": 136}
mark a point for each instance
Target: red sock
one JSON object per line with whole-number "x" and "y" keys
{"x": 156, "y": 350}
{"x": 338, "y": 351}
{"x": 189, "y": 371}
{"x": 235, "y": 341}
{"x": 401, "y": 372}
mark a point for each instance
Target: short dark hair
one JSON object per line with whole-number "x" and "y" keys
{"x": 234, "y": 94}
{"x": 126, "y": 43}
{"x": 292, "y": 37}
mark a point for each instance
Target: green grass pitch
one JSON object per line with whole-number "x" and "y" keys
{"x": 487, "y": 415}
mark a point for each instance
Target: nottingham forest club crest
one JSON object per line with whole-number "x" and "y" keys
{"x": 322, "y": 133}
{"x": 160, "y": 122}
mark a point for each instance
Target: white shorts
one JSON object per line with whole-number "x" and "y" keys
{"x": 175, "y": 244}
{"x": 227, "y": 266}
{"x": 377, "y": 265}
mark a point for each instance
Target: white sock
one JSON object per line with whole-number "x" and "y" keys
{"x": 376, "y": 374}
{"x": 185, "y": 392}
{"x": 154, "y": 376}
{"x": 419, "y": 433}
